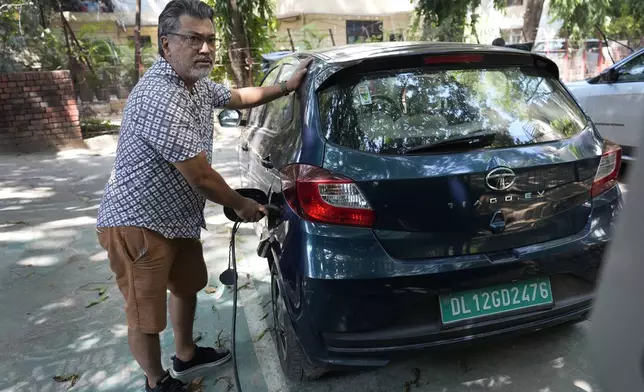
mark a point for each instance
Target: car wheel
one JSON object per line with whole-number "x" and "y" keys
{"x": 294, "y": 363}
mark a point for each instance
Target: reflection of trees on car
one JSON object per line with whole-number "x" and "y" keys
{"x": 405, "y": 110}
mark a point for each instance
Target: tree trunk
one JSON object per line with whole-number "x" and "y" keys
{"x": 137, "y": 42}
{"x": 531, "y": 19}
{"x": 238, "y": 49}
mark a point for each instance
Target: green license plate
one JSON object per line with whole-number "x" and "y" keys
{"x": 503, "y": 298}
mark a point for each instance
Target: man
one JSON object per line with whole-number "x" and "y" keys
{"x": 151, "y": 214}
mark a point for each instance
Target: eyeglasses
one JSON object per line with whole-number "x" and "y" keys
{"x": 197, "y": 41}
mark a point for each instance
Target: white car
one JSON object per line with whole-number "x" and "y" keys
{"x": 614, "y": 100}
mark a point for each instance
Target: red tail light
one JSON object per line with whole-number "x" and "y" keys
{"x": 608, "y": 169}
{"x": 319, "y": 195}
{"x": 454, "y": 59}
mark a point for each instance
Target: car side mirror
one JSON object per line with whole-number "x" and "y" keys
{"x": 230, "y": 118}
{"x": 610, "y": 75}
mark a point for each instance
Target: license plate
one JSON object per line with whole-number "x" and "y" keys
{"x": 488, "y": 301}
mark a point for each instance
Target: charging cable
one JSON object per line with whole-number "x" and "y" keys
{"x": 232, "y": 266}
{"x": 229, "y": 278}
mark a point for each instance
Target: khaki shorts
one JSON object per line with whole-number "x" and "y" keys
{"x": 146, "y": 265}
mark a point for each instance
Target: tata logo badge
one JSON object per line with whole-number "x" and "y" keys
{"x": 500, "y": 179}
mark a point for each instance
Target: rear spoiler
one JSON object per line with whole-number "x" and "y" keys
{"x": 444, "y": 60}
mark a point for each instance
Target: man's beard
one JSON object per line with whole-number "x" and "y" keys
{"x": 197, "y": 72}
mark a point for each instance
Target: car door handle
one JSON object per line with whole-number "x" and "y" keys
{"x": 266, "y": 162}
{"x": 244, "y": 147}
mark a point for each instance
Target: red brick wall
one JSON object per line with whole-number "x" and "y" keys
{"x": 38, "y": 112}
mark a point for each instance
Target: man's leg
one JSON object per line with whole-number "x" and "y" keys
{"x": 146, "y": 350}
{"x": 182, "y": 315}
{"x": 141, "y": 260}
{"x": 187, "y": 277}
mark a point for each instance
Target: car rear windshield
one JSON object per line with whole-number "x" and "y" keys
{"x": 392, "y": 112}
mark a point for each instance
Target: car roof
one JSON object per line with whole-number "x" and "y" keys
{"x": 628, "y": 58}
{"x": 355, "y": 52}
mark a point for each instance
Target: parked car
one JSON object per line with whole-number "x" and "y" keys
{"x": 432, "y": 195}
{"x": 614, "y": 100}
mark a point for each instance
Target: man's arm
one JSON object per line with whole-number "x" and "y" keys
{"x": 205, "y": 180}
{"x": 249, "y": 97}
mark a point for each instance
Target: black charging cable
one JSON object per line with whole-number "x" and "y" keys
{"x": 229, "y": 278}
{"x": 232, "y": 265}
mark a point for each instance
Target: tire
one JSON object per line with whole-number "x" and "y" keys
{"x": 294, "y": 363}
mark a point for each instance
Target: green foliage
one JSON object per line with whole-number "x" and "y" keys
{"x": 91, "y": 127}
{"x": 258, "y": 27}
{"x": 621, "y": 19}
{"x": 312, "y": 37}
{"x": 24, "y": 42}
{"x": 445, "y": 20}
{"x": 580, "y": 17}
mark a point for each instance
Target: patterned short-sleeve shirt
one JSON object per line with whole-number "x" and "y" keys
{"x": 162, "y": 123}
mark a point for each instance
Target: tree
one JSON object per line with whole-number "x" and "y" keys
{"x": 621, "y": 19}
{"x": 579, "y": 17}
{"x": 445, "y": 20}
{"x": 531, "y": 18}
{"x": 25, "y": 40}
{"x": 245, "y": 28}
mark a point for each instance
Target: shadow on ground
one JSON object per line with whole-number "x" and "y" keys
{"x": 62, "y": 314}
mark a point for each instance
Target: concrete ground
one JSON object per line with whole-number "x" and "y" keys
{"x": 62, "y": 315}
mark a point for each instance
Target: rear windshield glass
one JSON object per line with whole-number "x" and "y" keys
{"x": 389, "y": 113}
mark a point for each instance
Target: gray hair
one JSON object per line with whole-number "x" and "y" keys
{"x": 169, "y": 18}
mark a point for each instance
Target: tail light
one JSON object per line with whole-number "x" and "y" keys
{"x": 453, "y": 59}
{"x": 320, "y": 195}
{"x": 608, "y": 169}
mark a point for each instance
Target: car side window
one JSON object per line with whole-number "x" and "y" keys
{"x": 280, "y": 111}
{"x": 254, "y": 118}
{"x": 632, "y": 71}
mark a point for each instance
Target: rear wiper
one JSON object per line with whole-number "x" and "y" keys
{"x": 476, "y": 140}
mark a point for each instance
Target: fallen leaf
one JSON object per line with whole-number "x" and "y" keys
{"x": 264, "y": 317}
{"x": 416, "y": 381}
{"x": 244, "y": 286}
{"x": 110, "y": 278}
{"x": 266, "y": 303}
{"x": 211, "y": 290}
{"x": 98, "y": 301}
{"x": 261, "y": 335}
{"x": 86, "y": 286}
{"x": 219, "y": 343}
{"x": 71, "y": 378}
{"x": 16, "y": 222}
{"x": 229, "y": 383}
{"x": 198, "y": 337}
{"x": 197, "y": 385}
{"x": 101, "y": 290}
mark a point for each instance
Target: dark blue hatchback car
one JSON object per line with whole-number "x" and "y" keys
{"x": 432, "y": 194}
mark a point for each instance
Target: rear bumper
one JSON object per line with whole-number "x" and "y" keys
{"x": 333, "y": 356}
{"x": 367, "y": 323}
{"x": 350, "y": 321}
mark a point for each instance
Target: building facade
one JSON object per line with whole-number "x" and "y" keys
{"x": 311, "y": 24}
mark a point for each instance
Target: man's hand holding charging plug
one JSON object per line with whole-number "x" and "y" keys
{"x": 251, "y": 211}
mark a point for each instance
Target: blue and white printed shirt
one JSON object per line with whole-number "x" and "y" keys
{"x": 162, "y": 123}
